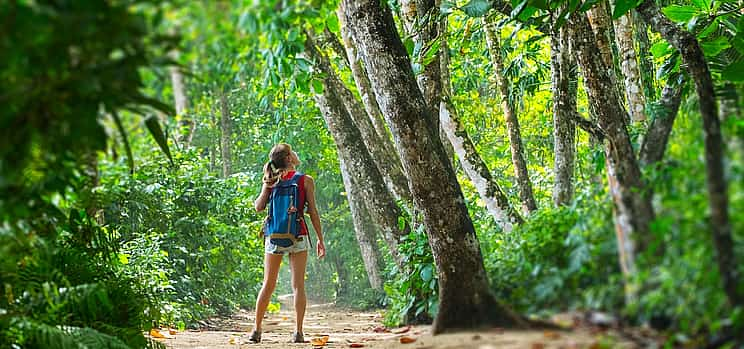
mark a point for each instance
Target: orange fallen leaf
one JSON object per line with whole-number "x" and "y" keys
{"x": 552, "y": 335}
{"x": 156, "y": 334}
{"x": 172, "y": 331}
{"x": 356, "y": 345}
{"x": 319, "y": 341}
{"x": 402, "y": 330}
{"x": 538, "y": 345}
{"x": 407, "y": 340}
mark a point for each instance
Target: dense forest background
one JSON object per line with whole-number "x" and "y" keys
{"x": 134, "y": 135}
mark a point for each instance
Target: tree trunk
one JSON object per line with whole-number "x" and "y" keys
{"x": 564, "y": 107}
{"x": 512, "y": 122}
{"x": 226, "y": 135}
{"x": 657, "y": 136}
{"x": 357, "y": 159}
{"x": 646, "y": 59}
{"x": 386, "y": 160}
{"x": 476, "y": 169}
{"x": 362, "y": 83}
{"x": 694, "y": 60}
{"x": 364, "y": 232}
{"x": 601, "y": 24}
{"x": 213, "y": 142}
{"x": 633, "y": 207}
{"x": 421, "y": 21}
{"x": 465, "y": 300}
{"x": 635, "y": 99}
{"x": 186, "y": 124}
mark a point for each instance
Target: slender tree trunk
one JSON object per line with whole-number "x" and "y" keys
{"x": 465, "y": 300}
{"x": 646, "y": 59}
{"x": 186, "y": 124}
{"x": 564, "y": 107}
{"x": 632, "y": 204}
{"x": 357, "y": 159}
{"x": 213, "y": 142}
{"x": 694, "y": 60}
{"x": 226, "y": 135}
{"x": 657, "y": 136}
{"x": 512, "y": 122}
{"x": 636, "y": 101}
{"x": 364, "y": 232}
{"x": 601, "y": 24}
{"x": 385, "y": 159}
{"x": 362, "y": 83}
{"x": 476, "y": 169}
{"x": 421, "y": 22}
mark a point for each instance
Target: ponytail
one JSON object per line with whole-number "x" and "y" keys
{"x": 276, "y": 168}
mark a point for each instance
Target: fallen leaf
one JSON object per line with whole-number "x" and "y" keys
{"x": 407, "y": 340}
{"x": 356, "y": 345}
{"x": 319, "y": 341}
{"x": 232, "y": 340}
{"x": 476, "y": 337}
{"x": 552, "y": 335}
{"x": 380, "y": 329}
{"x": 156, "y": 334}
{"x": 284, "y": 318}
{"x": 402, "y": 330}
{"x": 172, "y": 331}
{"x": 595, "y": 345}
{"x": 538, "y": 345}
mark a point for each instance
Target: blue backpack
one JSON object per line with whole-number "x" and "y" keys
{"x": 283, "y": 221}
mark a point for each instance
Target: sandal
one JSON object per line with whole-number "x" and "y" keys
{"x": 255, "y": 337}
{"x": 298, "y": 337}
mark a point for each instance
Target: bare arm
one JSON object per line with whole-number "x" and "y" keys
{"x": 312, "y": 210}
{"x": 263, "y": 198}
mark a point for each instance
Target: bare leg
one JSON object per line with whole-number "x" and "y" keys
{"x": 298, "y": 262}
{"x": 272, "y": 262}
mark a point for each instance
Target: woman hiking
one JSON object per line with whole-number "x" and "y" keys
{"x": 280, "y": 177}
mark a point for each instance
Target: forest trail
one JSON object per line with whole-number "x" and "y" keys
{"x": 359, "y": 329}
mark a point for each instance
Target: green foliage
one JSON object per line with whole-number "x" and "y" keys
{"x": 413, "y": 292}
{"x": 561, "y": 258}
{"x": 191, "y": 238}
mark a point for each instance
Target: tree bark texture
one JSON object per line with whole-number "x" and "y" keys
{"x": 632, "y": 204}
{"x": 357, "y": 159}
{"x": 362, "y": 83}
{"x": 694, "y": 61}
{"x": 363, "y": 230}
{"x": 226, "y": 135}
{"x": 564, "y": 125}
{"x": 601, "y": 24}
{"x": 657, "y": 137}
{"x": 476, "y": 169}
{"x": 635, "y": 99}
{"x": 186, "y": 124}
{"x": 645, "y": 58}
{"x": 465, "y": 300}
{"x": 512, "y": 122}
{"x": 385, "y": 159}
{"x": 421, "y": 20}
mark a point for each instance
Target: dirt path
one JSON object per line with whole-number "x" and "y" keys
{"x": 348, "y": 328}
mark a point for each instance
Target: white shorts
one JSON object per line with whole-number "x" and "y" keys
{"x": 300, "y": 246}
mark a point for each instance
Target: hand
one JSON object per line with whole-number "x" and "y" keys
{"x": 320, "y": 247}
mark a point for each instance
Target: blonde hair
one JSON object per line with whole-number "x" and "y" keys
{"x": 276, "y": 168}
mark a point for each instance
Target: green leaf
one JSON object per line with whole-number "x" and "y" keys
{"x": 709, "y": 29}
{"x": 622, "y": 7}
{"x": 734, "y": 72}
{"x": 154, "y": 127}
{"x": 680, "y": 13}
{"x": 427, "y": 273}
{"x": 702, "y": 4}
{"x": 477, "y": 8}
{"x": 714, "y": 47}
{"x": 125, "y": 140}
{"x": 317, "y": 86}
{"x": 661, "y": 49}
{"x": 332, "y": 23}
